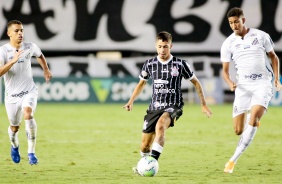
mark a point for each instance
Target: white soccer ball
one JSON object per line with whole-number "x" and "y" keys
{"x": 148, "y": 166}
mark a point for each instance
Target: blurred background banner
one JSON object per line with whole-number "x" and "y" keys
{"x": 90, "y": 90}
{"x": 96, "y": 48}
{"x": 131, "y": 25}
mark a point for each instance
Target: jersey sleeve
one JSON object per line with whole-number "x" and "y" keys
{"x": 268, "y": 43}
{"x": 187, "y": 72}
{"x": 36, "y": 50}
{"x": 225, "y": 53}
{"x": 145, "y": 74}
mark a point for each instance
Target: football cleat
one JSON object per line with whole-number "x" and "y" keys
{"x": 32, "y": 159}
{"x": 15, "y": 154}
{"x": 229, "y": 166}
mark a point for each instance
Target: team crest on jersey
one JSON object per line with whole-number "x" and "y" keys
{"x": 255, "y": 42}
{"x": 174, "y": 71}
{"x": 27, "y": 56}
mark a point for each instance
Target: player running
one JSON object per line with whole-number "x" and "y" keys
{"x": 20, "y": 90}
{"x": 166, "y": 72}
{"x": 249, "y": 48}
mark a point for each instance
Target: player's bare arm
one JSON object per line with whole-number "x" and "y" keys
{"x": 226, "y": 76}
{"x": 275, "y": 67}
{"x": 43, "y": 63}
{"x": 135, "y": 94}
{"x": 8, "y": 65}
{"x": 205, "y": 109}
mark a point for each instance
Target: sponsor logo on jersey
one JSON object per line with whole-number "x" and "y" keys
{"x": 253, "y": 34}
{"x": 159, "y": 81}
{"x": 20, "y": 95}
{"x": 21, "y": 60}
{"x": 144, "y": 73}
{"x": 164, "y": 91}
{"x": 169, "y": 110}
{"x": 158, "y": 104}
{"x": 246, "y": 46}
{"x": 177, "y": 62}
{"x": 254, "y": 76}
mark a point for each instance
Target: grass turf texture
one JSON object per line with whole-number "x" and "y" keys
{"x": 83, "y": 143}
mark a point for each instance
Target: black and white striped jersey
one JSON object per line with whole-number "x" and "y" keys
{"x": 166, "y": 80}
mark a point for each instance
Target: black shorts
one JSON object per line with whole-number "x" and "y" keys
{"x": 152, "y": 117}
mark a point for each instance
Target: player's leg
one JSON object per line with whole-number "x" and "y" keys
{"x": 161, "y": 126}
{"x": 145, "y": 147}
{"x": 241, "y": 105}
{"x": 14, "y": 115}
{"x": 166, "y": 120}
{"x": 261, "y": 95}
{"x": 260, "y": 99}
{"x": 146, "y": 143}
{"x": 29, "y": 106}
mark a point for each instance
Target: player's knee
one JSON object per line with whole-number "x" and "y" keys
{"x": 15, "y": 128}
{"x": 27, "y": 113}
{"x": 163, "y": 122}
{"x": 254, "y": 122}
{"x": 27, "y": 116}
{"x": 238, "y": 131}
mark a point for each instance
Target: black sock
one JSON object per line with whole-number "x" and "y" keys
{"x": 155, "y": 154}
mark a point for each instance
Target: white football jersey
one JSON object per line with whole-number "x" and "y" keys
{"x": 249, "y": 55}
{"x": 18, "y": 80}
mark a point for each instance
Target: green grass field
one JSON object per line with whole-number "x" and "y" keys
{"x": 86, "y": 143}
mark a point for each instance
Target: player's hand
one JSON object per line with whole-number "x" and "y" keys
{"x": 128, "y": 106}
{"x": 232, "y": 86}
{"x": 206, "y": 111}
{"x": 17, "y": 56}
{"x": 47, "y": 76}
{"x": 278, "y": 85}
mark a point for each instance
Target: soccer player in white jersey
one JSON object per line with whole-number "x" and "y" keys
{"x": 166, "y": 73}
{"x": 20, "y": 90}
{"x": 249, "y": 49}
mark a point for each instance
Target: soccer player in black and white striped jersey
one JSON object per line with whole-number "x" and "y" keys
{"x": 166, "y": 72}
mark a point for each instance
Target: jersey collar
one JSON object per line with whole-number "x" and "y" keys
{"x": 165, "y": 62}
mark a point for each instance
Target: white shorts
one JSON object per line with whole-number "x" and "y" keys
{"x": 247, "y": 96}
{"x": 15, "y": 110}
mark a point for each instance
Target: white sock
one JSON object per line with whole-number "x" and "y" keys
{"x": 245, "y": 140}
{"x": 13, "y": 137}
{"x": 144, "y": 154}
{"x": 157, "y": 147}
{"x": 31, "y": 131}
